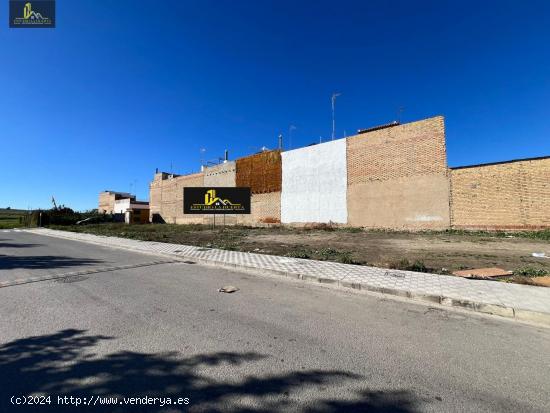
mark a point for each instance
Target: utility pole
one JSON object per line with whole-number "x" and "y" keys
{"x": 202, "y": 152}
{"x": 334, "y": 96}
{"x": 400, "y": 112}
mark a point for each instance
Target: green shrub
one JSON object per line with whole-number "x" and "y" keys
{"x": 531, "y": 272}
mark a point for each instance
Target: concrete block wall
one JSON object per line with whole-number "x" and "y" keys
{"x": 223, "y": 174}
{"x": 106, "y": 202}
{"x": 265, "y": 209}
{"x": 314, "y": 184}
{"x": 510, "y": 195}
{"x": 395, "y": 178}
{"x": 182, "y": 182}
{"x": 398, "y": 177}
{"x": 166, "y": 198}
{"x": 155, "y": 196}
{"x": 265, "y": 206}
{"x": 166, "y": 194}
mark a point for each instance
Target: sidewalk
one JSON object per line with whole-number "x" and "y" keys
{"x": 522, "y": 302}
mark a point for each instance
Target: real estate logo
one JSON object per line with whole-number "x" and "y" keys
{"x": 32, "y": 14}
{"x": 221, "y": 200}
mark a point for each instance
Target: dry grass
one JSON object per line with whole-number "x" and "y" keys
{"x": 435, "y": 252}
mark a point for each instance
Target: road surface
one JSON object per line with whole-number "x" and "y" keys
{"x": 165, "y": 331}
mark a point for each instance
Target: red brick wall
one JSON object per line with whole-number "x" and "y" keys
{"x": 397, "y": 177}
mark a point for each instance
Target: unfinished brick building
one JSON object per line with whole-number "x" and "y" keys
{"x": 394, "y": 177}
{"x": 107, "y": 199}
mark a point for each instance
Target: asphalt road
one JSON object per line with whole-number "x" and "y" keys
{"x": 275, "y": 345}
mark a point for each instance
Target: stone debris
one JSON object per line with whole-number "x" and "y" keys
{"x": 542, "y": 281}
{"x": 492, "y": 272}
{"x": 228, "y": 289}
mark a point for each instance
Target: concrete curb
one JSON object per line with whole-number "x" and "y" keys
{"x": 479, "y": 307}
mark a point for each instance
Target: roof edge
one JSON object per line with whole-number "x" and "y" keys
{"x": 538, "y": 158}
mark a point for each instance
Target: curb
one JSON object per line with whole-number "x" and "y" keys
{"x": 478, "y": 307}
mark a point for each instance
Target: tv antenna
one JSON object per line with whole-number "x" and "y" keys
{"x": 290, "y": 129}
{"x": 333, "y": 100}
{"x": 202, "y": 152}
{"x": 400, "y": 112}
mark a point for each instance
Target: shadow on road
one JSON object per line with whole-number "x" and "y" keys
{"x": 9, "y": 262}
{"x": 17, "y": 245}
{"x": 62, "y": 364}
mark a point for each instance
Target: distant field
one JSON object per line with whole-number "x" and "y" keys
{"x": 11, "y": 218}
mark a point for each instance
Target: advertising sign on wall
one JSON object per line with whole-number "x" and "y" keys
{"x": 219, "y": 200}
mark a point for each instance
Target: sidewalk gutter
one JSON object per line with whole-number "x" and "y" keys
{"x": 520, "y": 302}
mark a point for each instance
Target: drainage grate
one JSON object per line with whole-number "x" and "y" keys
{"x": 189, "y": 262}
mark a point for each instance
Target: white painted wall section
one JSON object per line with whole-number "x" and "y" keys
{"x": 121, "y": 205}
{"x": 315, "y": 184}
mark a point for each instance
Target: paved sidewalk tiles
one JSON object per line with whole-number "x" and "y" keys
{"x": 510, "y": 300}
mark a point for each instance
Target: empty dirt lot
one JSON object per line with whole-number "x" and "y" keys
{"x": 441, "y": 252}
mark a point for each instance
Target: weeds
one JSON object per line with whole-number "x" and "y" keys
{"x": 319, "y": 227}
{"x": 311, "y": 243}
{"x": 330, "y": 254}
{"x": 531, "y": 272}
{"x": 540, "y": 235}
{"x": 405, "y": 264}
{"x": 325, "y": 254}
{"x": 351, "y": 230}
{"x": 299, "y": 253}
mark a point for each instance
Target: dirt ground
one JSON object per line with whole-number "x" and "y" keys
{"x": 437, "y": 252}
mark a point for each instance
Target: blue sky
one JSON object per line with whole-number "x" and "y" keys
{"x": 120, "y": 88}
